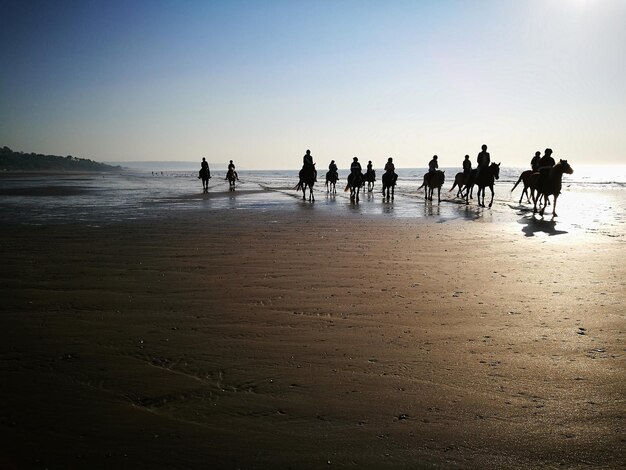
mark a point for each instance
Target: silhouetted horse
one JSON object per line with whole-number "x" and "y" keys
{"x": 331, "y": 179}
{"x": 204, "y": 176}
{"x": 431, "y": 181}
{"x": 307, "y": 179}
{"x": 461, "y": 182}
{"x": 370, "y": 177}
{"x": 355, "y": 181}
{"x": 389, "y": 183}
{"x": 485, "y": 178}
{"x": 549, "y": 183}
{"x": 231, "y": 177}
{"x": 524, "y": 178}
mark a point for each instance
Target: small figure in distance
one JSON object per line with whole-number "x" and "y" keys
{"x": 331, "y": 178}
{"x": 389, "y": 178}
{"x": 205, "y": 174}
{"x": 370, "y": 177}
{"x": 467, "y": 168}
{"x": 391, "y": 168}
{"x": 433, "y": 165}
{"x": 432, "y": 168}
{"x": 483, "y": 159}
{"x": 355, "y": 179}
{"x": 534, "y": 163}
{"x": 355, "y": 167}
{"x": 307, "y": 164}
{"x": 332, "y": 168}
{"x": 546, "y": 161}
{"x": 231, "y": 167}
{"x": 545, "y": 165}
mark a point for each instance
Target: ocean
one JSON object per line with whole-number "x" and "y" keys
{"x": 593, "y": 198}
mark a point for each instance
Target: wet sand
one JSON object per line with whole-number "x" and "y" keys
{"x": 295, "y": 339}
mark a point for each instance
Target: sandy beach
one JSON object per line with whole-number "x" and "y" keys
{"x": 294, "y": 339}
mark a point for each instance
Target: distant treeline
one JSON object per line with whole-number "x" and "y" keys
{"x": 20, "y": 161}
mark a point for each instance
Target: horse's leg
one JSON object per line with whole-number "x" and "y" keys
{"x": 491, "y": 189}
{"x": 393, "y": 189}
{"x": 311, "y": 195}
{"x": 554, "y": 206}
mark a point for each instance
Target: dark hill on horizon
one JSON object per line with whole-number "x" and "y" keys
{"x": 20, "y": 161}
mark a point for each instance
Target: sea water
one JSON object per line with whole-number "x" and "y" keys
{"x": 593, "y": 198}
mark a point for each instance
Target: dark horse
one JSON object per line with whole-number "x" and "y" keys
{"x": 460, "y": 181}
{"x": 331, "y": 179}
{"x": 204, "y": 175}
{"x": 370, "y": 177}
{"x": 485, "y": 178}
{"x": 431, "y": 181}
{"x": 548, "y": 183}
{"x": 231, "y": 176}
{"x": 389, "y": 183}
{"x": 524, "y": 178}
{"x": 355, "y": 181}
{"x": 307, "y": 179}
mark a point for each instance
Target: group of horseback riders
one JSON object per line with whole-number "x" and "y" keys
{"x": 205, "y": 174}
{"x": 540, "y": 164}
{"x": 355, "y": 169}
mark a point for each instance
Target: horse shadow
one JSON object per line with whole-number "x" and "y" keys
{"x": 532, "y": 225}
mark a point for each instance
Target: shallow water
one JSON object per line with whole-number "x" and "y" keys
{"x": 590, "y": 202}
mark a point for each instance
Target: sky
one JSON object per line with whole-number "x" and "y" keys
{"x": 259, "y": 82}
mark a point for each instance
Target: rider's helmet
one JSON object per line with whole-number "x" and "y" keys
{"x": 355, "y": 159}
{"x": 466, "y": 157}
{"x": 332, "y": 161}
{"x": 548, "y": 151}
{"x": 484, "y": 147}
{"x": 434, "y": 157}
{"x": 390, "y": 159}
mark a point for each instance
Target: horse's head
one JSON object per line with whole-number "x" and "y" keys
{"x": 565, "y": 167}
{"x": 495, "y": 170}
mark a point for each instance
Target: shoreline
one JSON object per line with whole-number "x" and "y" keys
{"x": 294, "y": 340}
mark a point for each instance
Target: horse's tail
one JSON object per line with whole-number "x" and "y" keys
{"x": 347, "y": 188}
{"x": 298, "y": 186}
{"x": 423, "y": 184}
{"x": 518, "y": 182}
{"x": 453, "y": 186}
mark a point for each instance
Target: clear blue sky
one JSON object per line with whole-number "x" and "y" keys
{"x": 260, "y": 82}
